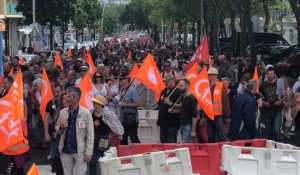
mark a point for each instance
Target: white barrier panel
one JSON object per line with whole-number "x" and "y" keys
{"x": 113, "y": 166}
{"x": 112, "y": 152}
{"x": 260, "y": 161}
{"x": 278, "y": 145}
{"x": 159, "y": 163}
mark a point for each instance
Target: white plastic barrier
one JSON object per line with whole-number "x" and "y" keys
{"x": 278, "y": 145}
{"x": 260, "y": 161}
{"x": 159, "y": 163}
{"x": 112, "y": 152}
{"x": 155, "y": 163}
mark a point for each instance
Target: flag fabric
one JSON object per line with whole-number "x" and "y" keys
{"x": 69, "y": 53}
{"x": 201, "y": 90}
{"x": 21, "y": 61}
{"x": 129, "y": 55}
{"x": 201, "y": 54}
{"x": 11, "y": 72}
{"x": 17, "y": 92}
{"x": 86, "y": 91}
{"x": 134, "y": 71}
{"x": 149, "y": 75}
{"x": 46, "y": 93}
{"x": 10, "y": 126}
{"x": 256, "y": 78}
{"x": 192, "y": 73}
{"x": 33, "y": 170}
{"x": 57, "y": 61}
{"x": 89, "y": 60}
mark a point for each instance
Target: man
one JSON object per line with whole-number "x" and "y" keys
{"x": 168, "y": 71}
{"x": 128, "y": 105}
{"x": 71, "y": 76}
{"x": 273, "y": 98}
{"x": 49, "y": 117}
{"x": 296, "y": 86}
{"x": 221, "y": 108}
{"x": 82, "y": 70}
{"x": 6, "y": 67}
{"x": 7, "y": 83}
{"x": 168, "y": 122}
{"x": 75, "y": 124}
{"x": 183, "y": 69}
{"x": 187, "y": 112}
{"x": 244, "y": 111}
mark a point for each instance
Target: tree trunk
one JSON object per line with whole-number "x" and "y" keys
{"x": 216, "y": 31}
{"x": 295, "y": 5}
{"x": 82, "y": 35}
{"x": 243, "y": 35}
{"x": 63, "y": 35}
{"x": 267, "y": 15}
{"x": 193, "y": 36}
{"x": 51, "y": 36}
{"x": 232, "y": 44}
{"x": 185, "y": 33}
{"x": 251, "y": 37}
{"x": 179, "y": 32}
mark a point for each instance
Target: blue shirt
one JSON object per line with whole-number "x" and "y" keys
{"x": 70, "y": 144}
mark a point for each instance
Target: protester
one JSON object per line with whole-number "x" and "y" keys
{"x": 128, "y": 105}
{"x": 221, "y": 108}
{"x": 75, "y": 124}
{"x": 168, "y": 122}
{"x": 100, "y": 87}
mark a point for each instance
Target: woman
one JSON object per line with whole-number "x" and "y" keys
{"x": 114, "y": 88}
{"x": 62, "y": 77}
{"x": 104, "y": 121}
{"x": 100, "y": 87}
{"x": 63, "y": 103}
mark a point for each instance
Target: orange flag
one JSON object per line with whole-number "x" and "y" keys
{"x": 17, "y": 91}
{"x": 201, "y": 90}
{"x": 10, "y": 125}
{"x": 134, "y": 71}
{"x": 129, "y": 55}
{"x": 33, "y": 170}
{"x": 150, "y": 76}
{"x": 69, "y": 53}
{"x": 57, "y": 61}
{"x": 192, "y": 73}
{"x": 89, "y": 60}
{"x": 11, "y": 72}
{"x": 86, "y": 91}
{"x": 21, "y": 61}
{"x": 46, "y": 94}
{"x": 256, "y": 78}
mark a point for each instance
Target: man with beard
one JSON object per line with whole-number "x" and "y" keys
{"x": 273, "y": 99}
{"x": 168, "y": 122}
{"x": 187, "y": 112}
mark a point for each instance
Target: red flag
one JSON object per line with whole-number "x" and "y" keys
{"x": 69, "y": 53}
{"x": 201, "y": 54}
{"x": 89, "y": 60}
{"x": 57, "y": 61}
{"x": 256, "y": 78}
{"x": 150, "y": 76}
{"x": 201, "y": 90}
{"x": 11, "y": 72}
{"x": 21, "y": 61}
{"x": 129, "y": 55}
{"x": 86, "y": 91}
{"x": 134, "y": 71}
{"x": 46, "y": 94}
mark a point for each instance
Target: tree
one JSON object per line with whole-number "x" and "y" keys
{"x": 295, "y": 5}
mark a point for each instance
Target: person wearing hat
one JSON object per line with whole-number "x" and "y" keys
{"x": 167, "y": 70}
{"x": 128, "y": 105}
{"x": 221, "y": 107}
{"x": 167, "y": 121}
{"x": 104, "y": 121}
{"x": 82, "y": 70}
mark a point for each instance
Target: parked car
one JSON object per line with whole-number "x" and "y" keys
{"x": 289, "y": 65}
{"x": 279, "y": 54}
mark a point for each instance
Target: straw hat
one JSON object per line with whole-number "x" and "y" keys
{"x": 100, "y": 100}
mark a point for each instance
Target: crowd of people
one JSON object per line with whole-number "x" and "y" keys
{"x": 77, "y": 135}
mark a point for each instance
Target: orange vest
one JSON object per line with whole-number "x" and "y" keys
{"x": 18, "y": 148}
{"x": 217, "y": 99}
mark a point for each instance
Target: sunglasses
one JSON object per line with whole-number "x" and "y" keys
{"x": 167, "y": 65}
{"x": 98, "y": 77}
{"x": 121, "y": 78}
{"x": 82, "y": 70}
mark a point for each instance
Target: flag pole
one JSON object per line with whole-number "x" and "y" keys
{"x": 173, "y": 90}
{"x": 177, "y": 101}
{"x": 131, "y": 83}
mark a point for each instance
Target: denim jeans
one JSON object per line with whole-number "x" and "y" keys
{"x": 168, "y": 135}
{"x": 216, "y": 127}
{"x": 185, "y": 131}
{"x": 273, "y": 122}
